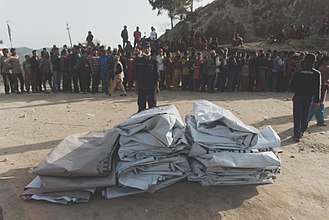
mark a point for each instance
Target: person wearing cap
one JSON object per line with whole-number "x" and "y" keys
{"x": 146, "y": 78}
{"x": 306, "y": 86}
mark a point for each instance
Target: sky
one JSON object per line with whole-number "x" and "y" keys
{"x": 42, "y": 23}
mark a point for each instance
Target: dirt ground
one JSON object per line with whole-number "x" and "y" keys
{"x": 31, "y": 125}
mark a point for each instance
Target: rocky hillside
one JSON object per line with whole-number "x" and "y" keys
{"x": 253, "y": 19}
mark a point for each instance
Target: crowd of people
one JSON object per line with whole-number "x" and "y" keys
{"x": 151, "y": 65}
{"x": 196, "y": 65}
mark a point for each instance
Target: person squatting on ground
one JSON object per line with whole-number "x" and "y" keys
{"x": 146, "y": 78}
{"x": 306, "y": 86}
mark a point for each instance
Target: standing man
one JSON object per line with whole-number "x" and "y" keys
{"x": 124, "y": 36}
{"x": 153, "y": 34}
{"x": 89, "y": 39}
{"x": 319, "y": 112}
{"x": 104, "y": 67}
{"x": 16, "y": 71}
{"x": 137, "y": 37}
{"x": 94, "y": 61}
{"x": 305, "y": 83}
{"x": 76, "y": 69}
{"x": 118, "y": 76}
{"x": 146, "y": 78}
{"x": 57, "y": 73}
{"x": 5, "y": 72}
{"x": 36, "y": 73}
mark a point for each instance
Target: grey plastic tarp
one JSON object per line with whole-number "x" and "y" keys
{"x": 154, "y": 149}
{"x": 73, "y": 170}
{"x": 225, "y": 151}
{"x": 153, "y": 152}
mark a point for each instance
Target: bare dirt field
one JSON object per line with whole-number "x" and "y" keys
{"x": 31, "y": 125}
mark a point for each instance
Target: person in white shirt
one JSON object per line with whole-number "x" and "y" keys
{"x": 161, "y": 68}
{"x": 153, "y": 35}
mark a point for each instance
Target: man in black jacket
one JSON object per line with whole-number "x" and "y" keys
{"x": 146, "y": 78}
{"x": 305, "y": 83}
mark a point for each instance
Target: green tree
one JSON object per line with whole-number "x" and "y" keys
{"x": 174, "y": 8}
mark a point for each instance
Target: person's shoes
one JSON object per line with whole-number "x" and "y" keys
{"x": 297, "y": 139}
{"x": 321, "y": 124}
{"x": 123, "y": 94}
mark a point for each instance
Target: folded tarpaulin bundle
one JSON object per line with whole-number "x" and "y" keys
{"x": 225, "y": 151}
{"x": 32, "y": 191}
{"x": 76, "y": 167}
{"x": 152, "y": 153}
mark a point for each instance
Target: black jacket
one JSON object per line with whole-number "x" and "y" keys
{"x": 306, "y": 82}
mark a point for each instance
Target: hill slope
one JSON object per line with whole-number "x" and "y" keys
{"x": 253, "y": 19}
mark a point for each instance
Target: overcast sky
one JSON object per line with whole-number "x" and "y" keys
{"x": 42, "y": 23}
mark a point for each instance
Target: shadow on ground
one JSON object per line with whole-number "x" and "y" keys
{"x": 183, "y": 200}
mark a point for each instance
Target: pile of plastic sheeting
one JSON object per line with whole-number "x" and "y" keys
{"x": 152, "y": 152}
{"x": 73, "y": 170}
{"x": 224, "y": 151}
{"x": 154, "y": 149}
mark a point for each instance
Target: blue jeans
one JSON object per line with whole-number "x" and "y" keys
{"x": 105, "y": 77}
{"x": 318, "y": 112}
{"x": 57, "y": 78}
